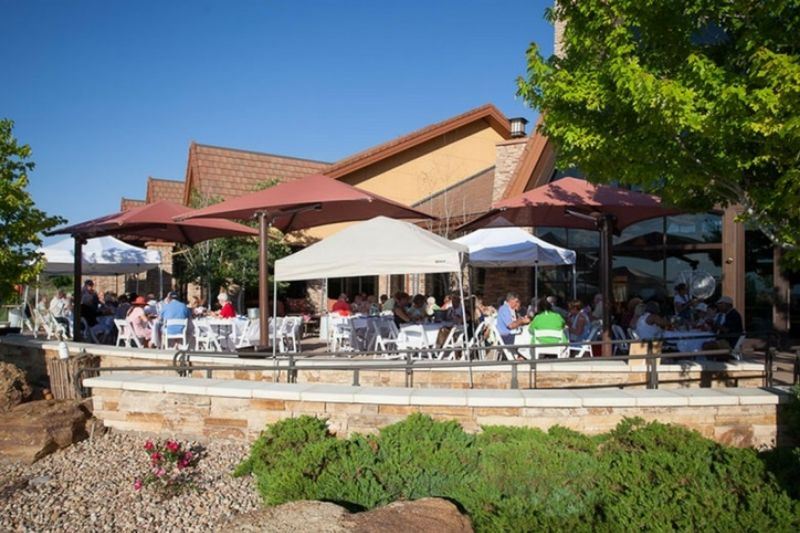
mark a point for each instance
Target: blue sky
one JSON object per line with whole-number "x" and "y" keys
{"x": 110, "y": 92}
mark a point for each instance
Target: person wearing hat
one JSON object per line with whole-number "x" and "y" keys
{"x": 138, "y": 321}
{"x": 174, "y": 308}
{"x": 728, "y": 321}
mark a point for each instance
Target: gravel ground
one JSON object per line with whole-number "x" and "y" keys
{"x": 89, "y": 487}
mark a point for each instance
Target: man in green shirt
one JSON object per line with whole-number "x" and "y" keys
{"x": 547, "y": 319}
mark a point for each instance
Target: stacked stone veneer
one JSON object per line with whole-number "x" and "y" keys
{"x": 212, "y": 408}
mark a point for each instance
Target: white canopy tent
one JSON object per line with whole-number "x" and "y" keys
{"x": 379, "y": 246}
{"x": 101, "y": 256}
{"x": 514, "y": 247}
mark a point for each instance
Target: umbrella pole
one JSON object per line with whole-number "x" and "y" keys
{"x": 536, "y": 284}
{"x": 76, "y": 287}
{"x": 263, "y": 280}
{"x": 606, "y": 223}
{"x": 574, "y": 281}
{"x": 463, "y": 317}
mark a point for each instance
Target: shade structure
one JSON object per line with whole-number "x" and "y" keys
{"x": 154, "y": 221}
{"x": 509, "y": 247}
{"x": 512, "y": 247}
{"x": 576, "y": 203}
{"x": 315, "y": 200}
{"x": 157, "y": 221}
{"x": 379, "y": 246}
{"x": 101, "y": 256}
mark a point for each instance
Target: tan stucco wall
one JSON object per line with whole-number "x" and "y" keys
{"x": 419, "y": 172}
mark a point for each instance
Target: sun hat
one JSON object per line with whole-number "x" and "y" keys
{"x": 139, "y": 301}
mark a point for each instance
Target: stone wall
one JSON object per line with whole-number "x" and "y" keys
{"x": 240, "y": 410}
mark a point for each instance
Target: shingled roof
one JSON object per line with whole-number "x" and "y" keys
{"x": 215, "y": 171}
{"x": 488, "y": 113}
{"x": 130, "y": 203}
{"x": 460, "y": 202}
{"x": 161, "y": 189}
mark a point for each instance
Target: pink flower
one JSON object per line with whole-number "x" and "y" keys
{"x": 160, "y": 472}
{"x": 187, "y": 456}
{"x": 148, "y": 445}
{"x": 137, "y": 485}
{"x": 173, "y": 446}
{"x": 155, "y": 457}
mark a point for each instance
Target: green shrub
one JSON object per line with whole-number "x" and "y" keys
{"x": 637, "y": 477}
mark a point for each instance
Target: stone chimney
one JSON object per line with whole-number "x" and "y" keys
{"x": 506, "y": 161}
{"x": 558, "y": 44}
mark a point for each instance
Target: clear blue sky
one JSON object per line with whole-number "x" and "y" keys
{"x": 110, "y": 92}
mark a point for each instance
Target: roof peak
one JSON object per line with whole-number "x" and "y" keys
{"x": 256, "y": 152}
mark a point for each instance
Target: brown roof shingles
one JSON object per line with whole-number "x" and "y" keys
{"x": 130, "y": 203}
{"x": 159, "y": 189}
{"x": 213, "y": 171}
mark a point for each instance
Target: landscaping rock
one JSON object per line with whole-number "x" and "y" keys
{"x": 33, "y": 430}
{"x": 426, "y": 514}
{"x": 14, "y": 388}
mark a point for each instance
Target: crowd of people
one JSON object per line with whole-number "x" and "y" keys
{"x": 144, "y": 313}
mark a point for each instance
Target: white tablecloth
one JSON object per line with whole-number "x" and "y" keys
{"x": 694, "y": 343}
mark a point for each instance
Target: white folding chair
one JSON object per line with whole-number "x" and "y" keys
{"x": 583, "y": 348}
{"x": 451, "y": 344}
{"x": 180, "y": 336}
{"x": 384, "y": 338}
{"x": 123, "y": 332}
{"x": 41, "y": 323}
{"x": 132, "y": 335}
{"x": 736, "y": 351}
{"x": 633, "y": 335}
{"x": 289, "y": 334}
{"x": 341, "y": 334}
{"x": 543, "y": 348}
{"x": 412, "y": 338}
{"x": 205, "y": 338}
{"x": 618, "y": 334}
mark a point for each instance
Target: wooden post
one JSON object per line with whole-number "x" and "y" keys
{"x": 77, "y": 286}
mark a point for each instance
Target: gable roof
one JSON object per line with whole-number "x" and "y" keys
{"x": 488, "y": 113}
{"x": 536, "y": 164}
{"x": 130, "y": 203}
{"x": 229, "y": 172}
{"x": 162, "y": 189}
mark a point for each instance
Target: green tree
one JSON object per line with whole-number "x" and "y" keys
{"x": 227, "y": 261}
{"x": 697, "y": 101}
{"x": 21, "y": 223}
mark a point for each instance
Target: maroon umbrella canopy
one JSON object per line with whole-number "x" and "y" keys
{"x": 315, "y": 200}
{"x": 157, "y": 221}
{"x": 576, "y": 203}
{"x": 561, "y": 202}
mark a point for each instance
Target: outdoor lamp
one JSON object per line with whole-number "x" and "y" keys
{"x": 518, "y": 126}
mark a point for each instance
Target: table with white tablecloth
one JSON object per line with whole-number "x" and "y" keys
{"x": 430, "y": 331}
{"x": 688, "y": 341}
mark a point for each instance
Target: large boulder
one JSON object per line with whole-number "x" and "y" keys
{"x": 426, "y": 514}
{"x": 33, "y": 430}
{"x": 14, "y": 388}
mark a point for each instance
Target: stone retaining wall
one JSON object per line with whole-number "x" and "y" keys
{"x": 589, "y": 373}
{"x": 213, "y": 408}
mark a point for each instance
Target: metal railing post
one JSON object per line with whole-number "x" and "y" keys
{"x": 290, "y": 373}
{"x": 356, "y": 378}
{"x": 768, "y": 364}
{"x": 514, "y": 380}
{"x": 652, "y": 367}
{"x": 409, "y": 371}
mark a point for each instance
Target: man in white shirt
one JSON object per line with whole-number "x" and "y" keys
{"x": 59, "y": 307}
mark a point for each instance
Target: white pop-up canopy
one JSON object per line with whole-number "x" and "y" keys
{"x": 374, "y": 247}
{"x": 101, "y": 256}
{"x": 514, "y": 247}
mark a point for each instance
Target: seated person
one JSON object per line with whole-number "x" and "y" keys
{"x": 400, "y": 314}
{"x": 174, "y": 309}
{"x": 430, "y": 306}
{"x": 138, "y": 321}
{"x": 579, "y": 322}
{"x": 547, "y": 319}
{"x": 227, "y": 310}
{"x": 341, "y": 306}
{"x": 651, "y": 324}
{"x": 417, "y": 308}
{"x": 507, "y": 319}
{"x": 122, "y": 307}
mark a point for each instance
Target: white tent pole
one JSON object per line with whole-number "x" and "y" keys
{"x": 574, "y": 281}
{"x": 274, "y": 316}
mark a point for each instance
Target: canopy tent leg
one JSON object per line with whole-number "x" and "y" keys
{"x": 605, "y": 225}
{"x": 574, "y": 281}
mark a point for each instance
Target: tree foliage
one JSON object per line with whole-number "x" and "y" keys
{"x": 697, "y": 101}
{"x": 226, "y": 261}
{"x": 21, "y": 223}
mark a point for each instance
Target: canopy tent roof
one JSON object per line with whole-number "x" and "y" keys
{"x": 512, "y": 247}
{"x": 103, "y": 255}
{"x": 373, "y": 247}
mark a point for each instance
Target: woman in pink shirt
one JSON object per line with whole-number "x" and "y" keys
{"x": 138, "y": 320}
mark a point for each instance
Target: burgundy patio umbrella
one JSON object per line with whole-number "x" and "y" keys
{"x": 576, "y": 203}
{"x": 154, "y": 221}
{"x": 314, "y": 200}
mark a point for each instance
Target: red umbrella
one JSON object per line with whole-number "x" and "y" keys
{"x": 153, "y": 221}
{"x": 576, "y": 203}
{"x": 315, "y": 200}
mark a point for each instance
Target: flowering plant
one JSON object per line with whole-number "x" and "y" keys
{"x": 170, "y": 467}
